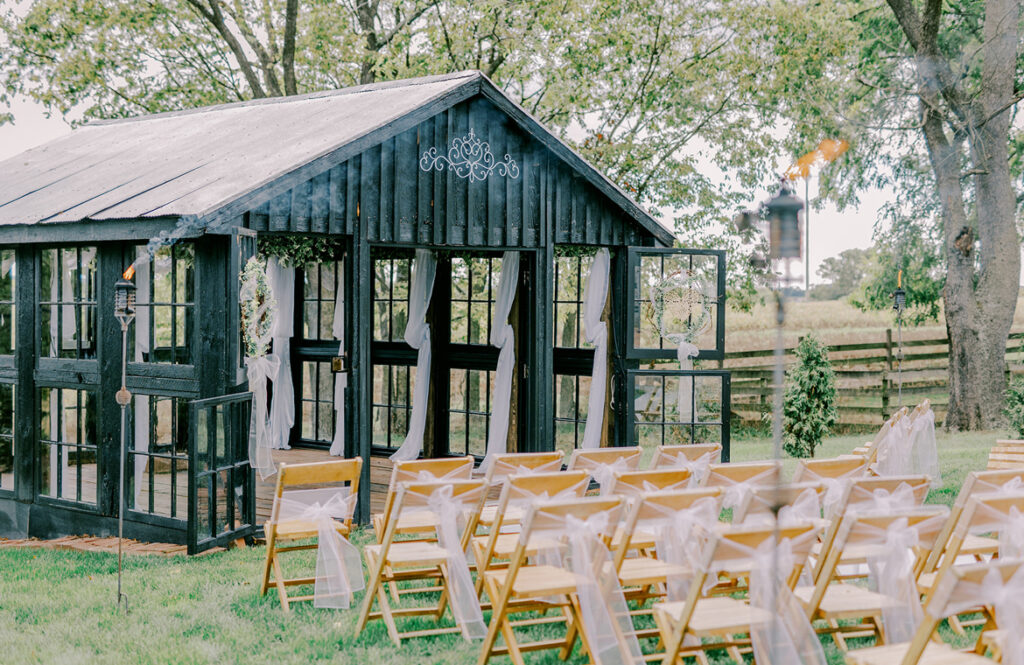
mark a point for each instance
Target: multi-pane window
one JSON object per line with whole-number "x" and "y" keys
{"x": 7, "y": 436}
{"x": 67, "y": 444}
{"x": 392, "y": 403}
{"x": 67, "y": 308}
{"x": 469, "y": 411}
{"x": 675, "y": 298}
{"x": 165, "y": 305}
{"x": 7, "y": 297}
{"x": 320, "y": 283}
{"x": 391, "y": 279}
{"x": 157, "y": 470}
{"x": 673, "y": 409}
{"x": 474, "y": 289}
{"x": 573, "y": 355}
{"x": 317, "y": 402}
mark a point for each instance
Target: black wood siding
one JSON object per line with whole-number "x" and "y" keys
{"x": 398, "y": 202}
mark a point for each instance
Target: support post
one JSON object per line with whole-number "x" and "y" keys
{"x": 111, "y": 262}
{"x": 24, "y": 359}
{"x": 358, "y": 436}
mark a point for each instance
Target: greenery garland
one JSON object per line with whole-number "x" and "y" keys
{"x": 582, "y": 251}
{"x": 298, "y": 250}
{"x": 257, "y": 305}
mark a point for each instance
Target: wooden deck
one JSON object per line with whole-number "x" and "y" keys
{"x": 380, "y": 476}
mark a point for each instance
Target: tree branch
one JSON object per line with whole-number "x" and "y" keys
{"x": 215, "y": 17}
{"x": 291, "y": 13}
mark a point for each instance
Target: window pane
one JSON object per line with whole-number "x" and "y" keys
{"x": 165, "y": 301}
{"x": 68, "y": 302}
{"x": 67, "y": 445}
{"x": 392, "y": 406}
{"x": 7, "y": 436}
{"x": 158, "y": 456}
{"x": 7, "y": 297}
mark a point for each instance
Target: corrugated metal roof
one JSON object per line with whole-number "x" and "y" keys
{"x": 210, "y": 163}
{"x": 191, "y": 162}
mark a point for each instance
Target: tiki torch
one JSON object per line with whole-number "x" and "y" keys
{"x": 124, "y": 311}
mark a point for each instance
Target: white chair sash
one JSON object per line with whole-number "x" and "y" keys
{"x": 339, "y": 571}
{"x": 1007, "y": 598}
{"x": 895, "y": 450}
{"x": 258, "y": 370}
{"x": 603, "y": 608}
{"x": 835, "y": 486}
{"x": 699, "y": 468}
{"x": 736, "y": 491}
{"x": 882, "y": 501}
{"x": 679, "y": 539}
{"x": 502, "y": 469}
{"x": 922, "y": 442}
{"x": 604, "y": 474}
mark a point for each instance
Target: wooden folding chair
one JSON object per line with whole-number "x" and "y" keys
{"x": 849, "y": 466}
{"x": 761, "y": 504}
{"x": 396, "y": 561}
{"x": 632, "y": 484}
{"x": 603, "y": 463}
{"x": 669, "y": 456}
{"x": 723, "y": 617}
{"x": 508, "y": 464}
{"x": 1007, "y": 454}
{"x": 420, "y": 470}
{"x": 326, "y": 478}
{"x": 523, "y": 587}
{"x": 497, "y": 547}
{"x": 925, "y": 647}
{"x": 736, "y": 479}
{"x": 833, "y": 600}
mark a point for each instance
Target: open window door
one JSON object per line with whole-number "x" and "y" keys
{"x": 676, "y": 317}
{"x": 221, "y": 485}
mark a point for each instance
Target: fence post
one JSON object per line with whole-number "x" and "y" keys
{"x": 888, "y": 348}
{"x": 885, "y": 396}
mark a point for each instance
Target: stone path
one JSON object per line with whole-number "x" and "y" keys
{"x": 107, "y": 545}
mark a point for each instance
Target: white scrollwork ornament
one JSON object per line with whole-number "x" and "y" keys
{"x": 469, "y": 157}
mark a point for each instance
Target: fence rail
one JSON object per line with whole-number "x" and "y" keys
{"x": 868, "y": 384}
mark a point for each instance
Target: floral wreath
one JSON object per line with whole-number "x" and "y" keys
{"x": 680, "y": 291}
{"x": 258, "y": 307}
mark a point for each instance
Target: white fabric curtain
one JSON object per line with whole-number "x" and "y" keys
{"x": 503, "y": 337}
{"x": 417, "y": 335}
{"x": 594, "y": 298}
{"x": 341, "y": 378}
{"x": 141, "y": 402}
{"x": 282, "y": 405}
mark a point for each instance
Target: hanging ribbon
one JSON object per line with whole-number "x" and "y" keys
{"x": 461, "y": 592}
{"x": 610, "y": 632}
{"x": 258, "y": 370}
{"x": 686, "y": 352}
{"x": 417, "y": 335}
{"x": 341, "y": 378}
{"x": 503, "y": 336}
{"x": 595, "y": 295}
{"x": 339, "y": 571}
{"x": 891, "y": 572}
{"x": 679, "y": 539}
{"x": 894, "y": 452}
{"x": 282, "y": 405}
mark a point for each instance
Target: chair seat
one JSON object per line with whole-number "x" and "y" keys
{"x": 852, "y": 554}
{"x": 715, "y": 616}
{"x": 640, "y": 540}
{"x": 415, "y": 522}
{"x": 512, "y": 515}
{"x": 934, "y": 654}
{"x": 414, "y": 553}
{"x": 536, "y": 581}
{"x": 506, "y": 543}
{"x": 979, "y": 545}
{"x": 845, "y": 601}
{"x": 300, "y": 529}
{"x": 642, "y": 571}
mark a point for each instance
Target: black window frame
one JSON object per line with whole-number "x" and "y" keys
{"x": 186, "y": 347}
{"x": 44, "y": 444}
{"x": 77, "y": 302}
{"x": 571, "y": 361}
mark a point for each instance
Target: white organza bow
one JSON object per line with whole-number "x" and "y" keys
{"x": 604, "y": 474}
{"x": 258, "y": 370}
{"x": 604, "y": 613}
{"x": 339, "y": 571}
{"x": 891, "y": 572}
{"x": 461, "y": 591}
{"x": 698, "y": 468}
{"x": 736, "y": 491}
{"x": 679, "y": 538}
{"x": 883, "y": 501}
{"x": 805, "y": 508}
{"x": 501, "y": 469}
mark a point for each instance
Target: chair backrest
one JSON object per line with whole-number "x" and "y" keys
{"x": 753, "y": 473}
{"x": 655, "y": 508}
{"x": 317, "y": 475}
{"x": 869, "y": 532}
{"x": 416, "y": 496}
{"x": 1007, "y": 454}
{"x": 507, "y": 464}
{"x": 636, "y": 483}
{"x": 976, "y": 483}
{"x": 426, "y": 470}
{"x": 762, "y": 502}
{"x": 848, "y": 466}
{"x": 543, "y": 486}
{"x": 959, "y": 584}
{"x": 665, "y": 456}
{"x": 546, "y": 520}
{"x": 591, "y": 458}
{"x": 984, "y": 513}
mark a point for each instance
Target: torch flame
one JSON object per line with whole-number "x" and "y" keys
{"x": 130, "y": 272}
{"x": 827, "y": 151}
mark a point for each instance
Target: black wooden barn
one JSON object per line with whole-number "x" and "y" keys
{"x": 354, "y": 167}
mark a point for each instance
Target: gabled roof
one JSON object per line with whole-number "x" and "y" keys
{"x": 209, "y": 165}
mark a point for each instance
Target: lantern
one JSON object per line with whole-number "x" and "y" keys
{"x": 783, "y": 214}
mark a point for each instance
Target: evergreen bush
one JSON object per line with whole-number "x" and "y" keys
{"x": 809, "y": 406}
{"x": 1015, "y": 405}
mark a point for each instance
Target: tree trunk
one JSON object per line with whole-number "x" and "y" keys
{"x": 982, "y": 254}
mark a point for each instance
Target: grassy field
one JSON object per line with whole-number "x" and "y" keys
{"x": 58, "y": 607}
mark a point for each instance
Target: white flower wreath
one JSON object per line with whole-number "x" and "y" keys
{"x": 680, "y": 306}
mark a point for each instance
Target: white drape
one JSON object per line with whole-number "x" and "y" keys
{"x": 417, "y": 335}
{"x": 282, "y": 404}
{"x": 143, "y": 315}
{"x": 503, "y": 337}
{"x": 341, "y": 378}
{"x": 594, "y": 298}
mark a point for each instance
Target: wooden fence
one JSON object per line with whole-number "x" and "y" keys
{"x": 868, "y": 377}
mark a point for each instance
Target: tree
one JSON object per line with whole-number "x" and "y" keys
{"x": 809, "y": 406}
{"x": 844, "y": 273}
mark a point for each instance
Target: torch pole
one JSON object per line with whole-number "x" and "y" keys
{"x": 123, "y": 397}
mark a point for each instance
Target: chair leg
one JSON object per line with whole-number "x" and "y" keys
{"x": 499, "y": 605}
{"x": 271, "y": 544}
{"x": 837, "y": 636}
{"x": 571, "y": 631}
{"x": 282, "y": 590}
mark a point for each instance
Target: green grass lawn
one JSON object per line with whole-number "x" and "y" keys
{"x": 58, "y": 607}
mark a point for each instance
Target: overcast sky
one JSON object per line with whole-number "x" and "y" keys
{"x": 831, "y": 231}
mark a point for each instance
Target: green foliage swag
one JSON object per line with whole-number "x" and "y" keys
{"x": 299, "y": 250}
{"x": 809, "y": 407}
{"x": 1015, "y": 405}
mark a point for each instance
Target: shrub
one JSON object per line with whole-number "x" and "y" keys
{"x": 809, "y": 406}
{"x": 1015, "y": 405}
